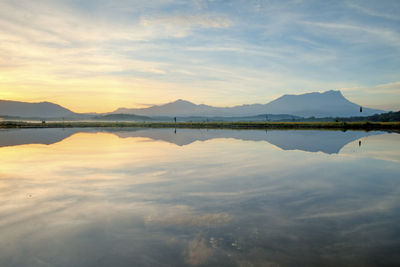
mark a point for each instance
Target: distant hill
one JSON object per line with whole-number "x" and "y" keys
{"x": 320, "y": 105}
{"x": 261, "y": 117}
{"x": 24, "y": 109}
{"x": 177, "y": 108}
{"x": 121, "y": 117}
{"x": 383, "y": 117}
{"x": 326, "y": 104}
{"x": 183, "y": 108}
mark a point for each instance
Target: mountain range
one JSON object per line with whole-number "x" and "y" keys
{"x": 326, "y": 104}
{"x": 40, "y": 110}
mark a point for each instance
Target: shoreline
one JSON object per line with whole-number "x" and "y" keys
{"x": 364, "y": 125}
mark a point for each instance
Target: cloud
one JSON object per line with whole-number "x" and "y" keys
{"x": 55, "y": 40}
{"x": 387, "y": 14}
{"x": 205, "y": 51}
{"x": 205, "y": 21}
{"x": 375, "y": 96}
{"x": 58, "y": 23}
{"x": 364, "y": 33}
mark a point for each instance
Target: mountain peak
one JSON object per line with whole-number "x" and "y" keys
{"x": 330, "y": 93}
{"x": 181, "y": 101}
{"x": 27, "y": 109}
{"x": 333, "y": 93}
{"x": 319, "y": 104}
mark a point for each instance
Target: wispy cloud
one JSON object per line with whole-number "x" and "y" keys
{"x": 387, "y": 13}
{"x": 375, "y": 96}
{"x": 353, "y": 33}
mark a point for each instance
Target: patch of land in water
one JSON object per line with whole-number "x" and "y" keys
{"x": 211, "y": 125}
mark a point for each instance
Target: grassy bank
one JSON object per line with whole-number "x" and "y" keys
{"x": 211, "y": 125}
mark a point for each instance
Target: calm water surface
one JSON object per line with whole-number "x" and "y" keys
{"x": 89, "y": 197}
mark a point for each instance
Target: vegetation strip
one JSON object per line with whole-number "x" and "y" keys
{"x": 212, "y": 125}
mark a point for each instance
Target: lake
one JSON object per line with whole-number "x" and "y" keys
{"x": 166, "y": 197}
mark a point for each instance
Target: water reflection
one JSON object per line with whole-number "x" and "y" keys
{"x": 306, "y": 140}
{"x": 101, "y": 199}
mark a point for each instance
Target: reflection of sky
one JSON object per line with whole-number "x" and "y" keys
{"x": 379, "y": 147}
{"x": 306, "y": 140}
{"x": 97, "y": 199}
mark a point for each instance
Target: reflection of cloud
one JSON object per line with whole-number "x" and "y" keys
{"x": 198, "y": 252}
{"x": 208, "y": 219}
{"x": 94, "y": 190}
{"x": 353, "y": 209}
{"x": 380, "y": 147}
{"x": 243, "y": 263}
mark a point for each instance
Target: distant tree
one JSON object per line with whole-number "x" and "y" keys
{"x": 360, "y": 109}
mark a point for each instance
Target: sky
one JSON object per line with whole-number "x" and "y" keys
{"x": 98, "y": 55}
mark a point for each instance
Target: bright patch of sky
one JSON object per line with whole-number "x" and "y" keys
{"x": 101, "y": 55}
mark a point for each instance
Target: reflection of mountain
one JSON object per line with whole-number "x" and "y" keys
{"x": 15, "y": 137}
{"x": 307, "y": 140}
{"x": 313, "y": 141}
